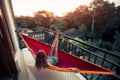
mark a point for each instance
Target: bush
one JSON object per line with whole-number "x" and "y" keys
{"x": 107, "y": 45}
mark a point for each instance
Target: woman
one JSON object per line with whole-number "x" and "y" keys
{"x": 42, "y": 61}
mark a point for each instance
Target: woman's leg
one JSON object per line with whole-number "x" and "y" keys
{"x": 55, "y": 53}
{"x": 54, "y": 44}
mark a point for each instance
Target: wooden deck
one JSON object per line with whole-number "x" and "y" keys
{"x": 46, "y": 74}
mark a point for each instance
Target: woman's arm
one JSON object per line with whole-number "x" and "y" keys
{"x": 50, "y": 66}
{"x": 76, "y": 70}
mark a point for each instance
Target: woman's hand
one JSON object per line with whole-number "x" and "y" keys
{"x": 76, "y": 70}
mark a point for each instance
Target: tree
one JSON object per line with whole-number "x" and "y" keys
{"x": 21, "y": 22}
{"x": 116, "y": 44}
{"x": 82, "y": 16}
{"x": 58, "y": 23}
{"x": 43, "y": 18}
{"x": 103, "y": 12}
{"x": 25, "y": 22}
{"x": 82, "y": 32}
{"x": 69, "y": 19}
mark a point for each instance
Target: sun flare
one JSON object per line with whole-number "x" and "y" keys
{"x": 58, "y": 7}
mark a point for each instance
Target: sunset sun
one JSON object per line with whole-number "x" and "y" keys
{"x": 58, "y": 7}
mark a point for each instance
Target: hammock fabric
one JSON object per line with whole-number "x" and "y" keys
{"x": 65, "y": 60}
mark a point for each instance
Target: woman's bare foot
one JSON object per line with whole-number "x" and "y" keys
{"x": 57, "y": 33}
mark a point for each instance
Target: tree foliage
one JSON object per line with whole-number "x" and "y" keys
{"x": 43, "y": 18}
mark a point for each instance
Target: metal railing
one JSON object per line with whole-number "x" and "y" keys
{"x": 83, "y": 50}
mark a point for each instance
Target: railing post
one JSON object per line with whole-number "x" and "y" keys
{"x": 103, "y": 60}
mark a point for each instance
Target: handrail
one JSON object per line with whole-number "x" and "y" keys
{"x": 100, "y": 49}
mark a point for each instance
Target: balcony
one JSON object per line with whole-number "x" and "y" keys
{"x": 89, "y": 52}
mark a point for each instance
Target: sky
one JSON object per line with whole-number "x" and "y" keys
{"x": 58, "y": 7}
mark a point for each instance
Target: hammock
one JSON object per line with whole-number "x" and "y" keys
{"x": 65, "y": 60}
